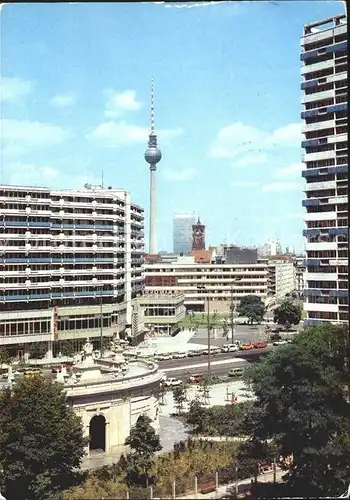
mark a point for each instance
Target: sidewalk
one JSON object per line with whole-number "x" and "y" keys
{"x": 229, "y": 489}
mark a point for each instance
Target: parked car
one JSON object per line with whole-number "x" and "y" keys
{"x": 195, "y": 379}
{"x": 213, "y": 351}
{"x": 172, "y": 382}
{"x": 163, "y": 357}
{"x": 229, "y": 348}
{"x": 260, "y": 345}
{"x": 179, "y": 355}
{"x": 236, "y": 372}
{"x": 192, "y": 354}
{"x": 246, "y": 347}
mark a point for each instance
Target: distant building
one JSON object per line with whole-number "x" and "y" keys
{"x": 182, "y": 233}
{"x": 232, "y": 254}
{"x": 198, "y": 236}
{"x": 281, "y": 278}
{"x": 300, "y": 269}
{"x": 270, "y": 248}
{"x": 241, "y": 255}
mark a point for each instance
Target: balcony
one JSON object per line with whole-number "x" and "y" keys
{"x": 337, "y": 108}
{"x": 318, "y": 66}
{"x": 311, "y": 172}
{"x": 338, "y": 293}
{"x": 311, "y": 202}
{"x": 309, "y": 276}
{"x": 338, "y": 231}
{"x": 317, "y": 186}
{"x": 319, "y": 246}
{"x": 324, "y": 125}
{"x": 318, "y": 96}
{"x": 311, "y": 306}
{"x": 322, "y": 155}
{"x": 320, "y": 216}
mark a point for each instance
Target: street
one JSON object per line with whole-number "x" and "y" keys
{"x": 203, "y": 359}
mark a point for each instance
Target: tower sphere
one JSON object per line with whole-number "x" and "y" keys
{"x": 153, "y": 155}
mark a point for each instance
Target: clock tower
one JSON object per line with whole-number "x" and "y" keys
{"x": 198, "y": 236}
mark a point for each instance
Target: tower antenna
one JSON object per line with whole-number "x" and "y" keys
{"x": 102, "y": 179}
{"x": 152, "y": 105}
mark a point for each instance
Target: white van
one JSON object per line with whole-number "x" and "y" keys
{"x": 229, "y": 348}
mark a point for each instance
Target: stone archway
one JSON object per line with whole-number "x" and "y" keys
{"x": 97, "y": 433}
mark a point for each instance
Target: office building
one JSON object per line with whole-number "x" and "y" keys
{"x": 325, "y": 114}
{"x": 198, "y": 281}
{"x": 182, "y": 233}
{"x": 71, "y": 262}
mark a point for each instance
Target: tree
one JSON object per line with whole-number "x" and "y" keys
{"x": 66, "y": 348}
{"x": 37, "y": 350}
{"x": 300, "y": 405}
{"x": 41, "y": 440}
{"x": 252, "y": 307}
{"x": 144, "y": 443}
{"x": 5, "y": 358}
{"x": 179, "y": 395}
{"x": 287, "y": 314}
{"x": 197, "y": 417}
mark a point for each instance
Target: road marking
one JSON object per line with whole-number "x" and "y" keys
{"x": 202, "y": 365}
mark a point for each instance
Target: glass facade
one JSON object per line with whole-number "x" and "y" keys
{"x": 182, "y": 233}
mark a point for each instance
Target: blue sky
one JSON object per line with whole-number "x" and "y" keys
{"x": 75, "y": 101}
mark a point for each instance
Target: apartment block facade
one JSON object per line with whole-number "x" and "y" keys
{"x": 71, "y": 262}
{"x": 220, "y": 283}
{"x": 325, "y": 115}
{"x": 281, "y": 278}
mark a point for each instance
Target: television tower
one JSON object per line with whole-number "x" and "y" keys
{"x": 153, "y": 155}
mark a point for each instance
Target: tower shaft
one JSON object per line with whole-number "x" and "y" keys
{"x": 152, "y": 211}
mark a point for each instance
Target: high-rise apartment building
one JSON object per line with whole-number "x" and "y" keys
{"x": 325, "y": 114}
{"x": 71, "y": 261}
{"x": 182, "y": 233}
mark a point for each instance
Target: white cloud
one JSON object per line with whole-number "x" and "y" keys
{"x": 295, "y": 168}
{"x": 116, "y": 134}
{"x": 18, "y": 134}
{"x": 63, "y": 100}
{"x": 253, "y": 159}
{"x": 119, "y": 102}
{"x": 244, "y": 184}
{"x": 237, "y": 139}
{"x": 281, "y": 186}
{"x": 12, "y": 89}
{"x": 186, "y": 174}
{"x": 30, "y": 174}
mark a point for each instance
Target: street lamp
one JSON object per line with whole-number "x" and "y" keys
{"x": 202, "y": 287}
{"x": 233, "y": 309}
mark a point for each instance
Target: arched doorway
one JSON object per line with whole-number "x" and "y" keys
{"x": 97, "y": 433}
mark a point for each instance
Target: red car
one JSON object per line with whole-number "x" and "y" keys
{"x": 260, "y": 345}
{"x": 195, "y": 379}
